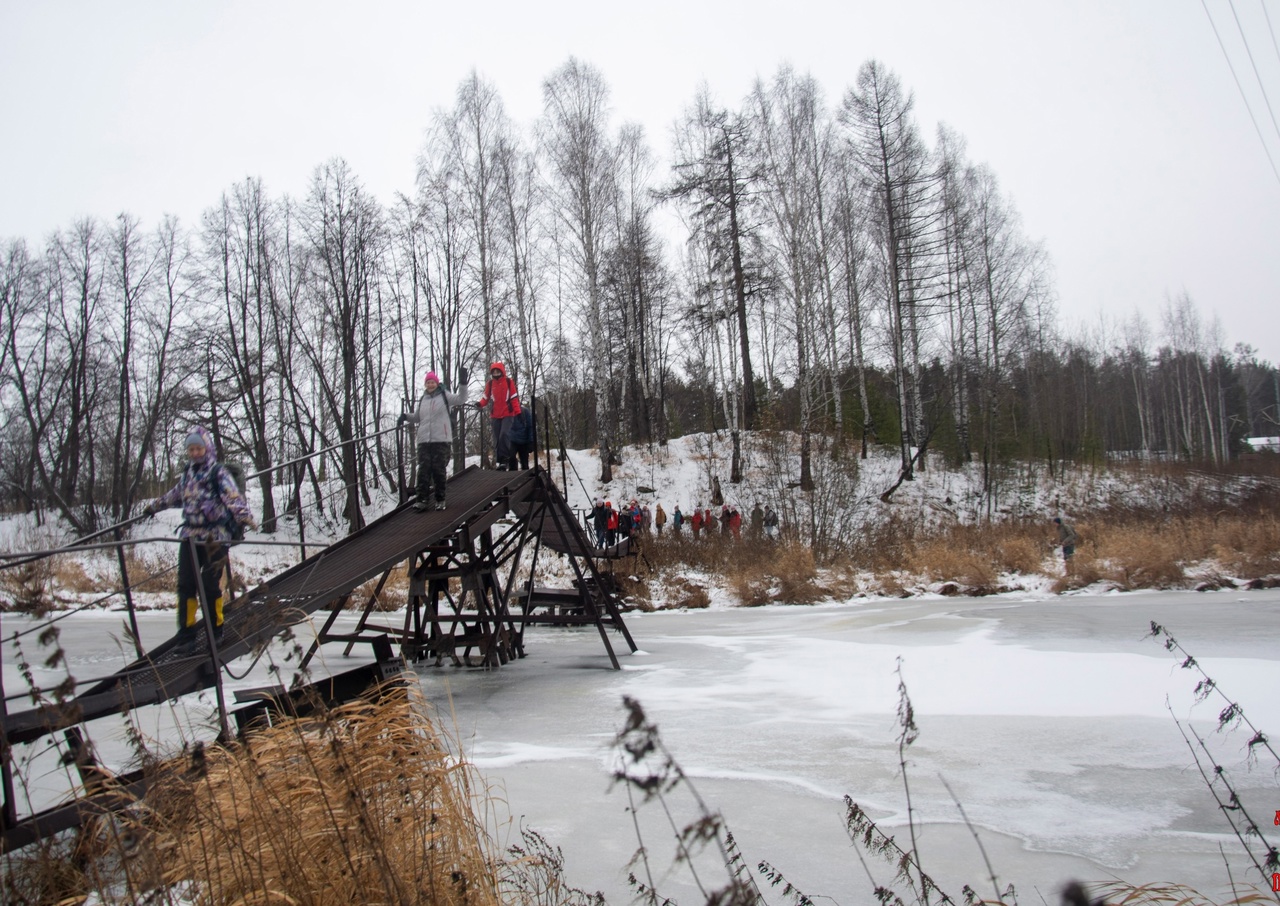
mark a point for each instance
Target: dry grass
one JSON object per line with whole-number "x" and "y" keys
{"x": 1020, "y": 555}
{"x": 1128, "y": 550}
{"x": 394, "y": 594}
{"x": 1122, "y": 893}
{"x": 941, "y": 560}
{"x": 1245, "y": 547}
{"x": 69, "y": 575}
{"x": 681, "y": 592}
{"x": 1198, "y": 542}
{"x": 1132, "y": 558}
{"x": 635, "y": 591}
{"x": 28, "y": 587}
{"x": 362, "y": 804}
{"x": 765, "y": 572}
{"x": 757, "y": 571}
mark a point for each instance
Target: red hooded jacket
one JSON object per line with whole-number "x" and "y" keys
{"x": 502, "y": 391}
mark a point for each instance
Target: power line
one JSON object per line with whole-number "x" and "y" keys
{"x": 1265, "y": 150}
{"x": 1270, "y": 28}
{"x": 1257, "y": 75}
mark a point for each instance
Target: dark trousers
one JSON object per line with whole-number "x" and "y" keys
{"x": 433, "y": 469}
{"x": 205, "y": 570}
{"x": 521, "y": 454}
{"x": 502, "y": 453}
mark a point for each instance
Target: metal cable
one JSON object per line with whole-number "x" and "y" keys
{"x": 1240, "y": 88}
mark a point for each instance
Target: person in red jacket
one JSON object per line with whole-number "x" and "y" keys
{"x": 611, "y": 524}
{"x": 500, "y": 392}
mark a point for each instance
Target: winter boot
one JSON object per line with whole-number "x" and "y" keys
{"x": 188, "y": 613}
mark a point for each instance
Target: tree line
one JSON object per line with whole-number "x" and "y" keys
{"x": 803, "y": 263}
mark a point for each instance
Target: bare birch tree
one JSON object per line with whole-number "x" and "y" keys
{"x": 897, "y": 169}
{"x": 581, "y": 160}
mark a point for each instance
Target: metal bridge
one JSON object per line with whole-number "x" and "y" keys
{"x": 464, "y": 608}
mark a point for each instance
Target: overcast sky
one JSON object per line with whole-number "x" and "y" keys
{"x": 1115, "y": 126}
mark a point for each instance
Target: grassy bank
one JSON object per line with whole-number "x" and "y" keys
{"x": 1118, "y": 550}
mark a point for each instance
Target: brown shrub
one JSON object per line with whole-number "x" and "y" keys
{"x": 797, "y": 574}
{"x": 765, "y": 572}
{"x": 1249, "y": 548}
{"x": 886, "y": 545}
{"x": 635, "y": 591}
{"x": 363, "y": 803}
{"x": 673, "y": 551}
{"x": 843, "y": 581}
{"x": 1020, "y": 555}
{"x": 28, "y": 587}
{"x": 1136, "y": 557}
{"x": 366, "y": 803}
{"x": 752, "y": 590}
{"x": 1085, "y": 571}
{"x": 69, "y": 574}
{"x": 394, "y": 594}
{"x": 943, "y": 560}
{"x": 892, "y": 584}
{"x": 149, "y": 572}
{"x": 1133, "y": 547}
{"x": 684, "y": 593}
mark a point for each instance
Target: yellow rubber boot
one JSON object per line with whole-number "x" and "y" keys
{"x": 190, "y": 611}
{"x": 217, "y": 611}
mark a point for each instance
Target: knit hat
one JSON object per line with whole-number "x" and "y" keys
{"x": 432, "y": 376}
{"x": 200, "y": 435}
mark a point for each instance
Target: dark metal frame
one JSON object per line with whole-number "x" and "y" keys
{"x": 464, "y": 567}
{"x": 462, "y": 587}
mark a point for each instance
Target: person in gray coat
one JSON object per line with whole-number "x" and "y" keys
{"x": 435, "y": 438}
{"x": 1068, "y": 538}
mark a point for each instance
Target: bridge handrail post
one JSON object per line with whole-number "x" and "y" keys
{"x": 10, "y": 807}
{"x": 128, "y": 594}
{"x": 402, "y": 489}
{"x": 207, "y": 610}
{"x": 300, "y": 468}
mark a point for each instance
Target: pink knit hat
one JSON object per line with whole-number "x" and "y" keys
{"x": 432, "y": 376}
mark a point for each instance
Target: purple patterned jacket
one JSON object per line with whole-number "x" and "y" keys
{"x": 205, "y": 508}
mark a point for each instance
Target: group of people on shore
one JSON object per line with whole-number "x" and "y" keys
{"x": 635, "y": 519}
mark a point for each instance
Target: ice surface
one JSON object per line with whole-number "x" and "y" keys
{"x": 1047, "y": 718}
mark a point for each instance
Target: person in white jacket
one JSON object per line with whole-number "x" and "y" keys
{"x": 435, "y": 438}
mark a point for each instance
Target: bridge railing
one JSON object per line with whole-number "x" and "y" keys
{"x": 34, "y": 647}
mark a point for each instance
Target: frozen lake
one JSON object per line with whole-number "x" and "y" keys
{"x": 1046, "y": 716}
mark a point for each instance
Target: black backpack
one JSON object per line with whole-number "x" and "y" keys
{"x": 237, "y": 473}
